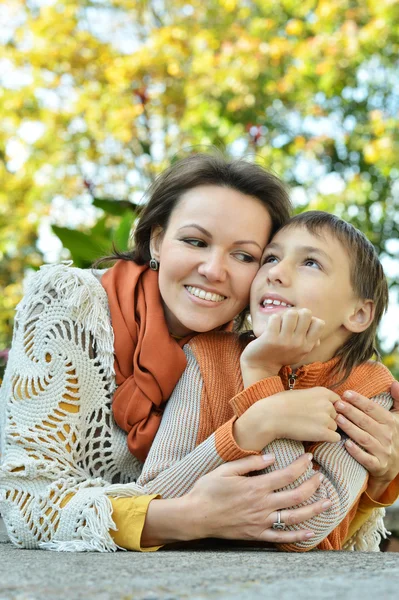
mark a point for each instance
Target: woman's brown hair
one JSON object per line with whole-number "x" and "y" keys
{"x": 194, "y": 171}
{"x": 197, "y": 170}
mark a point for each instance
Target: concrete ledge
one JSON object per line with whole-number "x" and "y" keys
{"x": 240, "y": 573}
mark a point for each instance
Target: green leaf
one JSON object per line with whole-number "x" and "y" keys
{"x": 121, "y": 237}
{"x": 114, "y": 207}
{"x": 84, "y": 248}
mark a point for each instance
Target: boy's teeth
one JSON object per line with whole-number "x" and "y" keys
{"x": 276, "y": 303}
{"x": 205, "y": 295}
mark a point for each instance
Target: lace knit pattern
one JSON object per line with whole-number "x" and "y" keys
{"x": 58, "y": 451}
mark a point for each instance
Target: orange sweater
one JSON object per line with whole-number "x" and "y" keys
{"x": 196, "y": 432}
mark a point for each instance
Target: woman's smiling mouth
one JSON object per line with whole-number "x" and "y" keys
{"x": 204, "y": 294}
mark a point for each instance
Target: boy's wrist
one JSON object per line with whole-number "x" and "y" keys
{"x": 252, "y": 374}
{"x": 252, "y": 432}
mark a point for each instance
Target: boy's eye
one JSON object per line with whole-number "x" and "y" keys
{"x": 195, "y": 242}
{"x": 269, "y": 259}
{"x": 310, "y": 262}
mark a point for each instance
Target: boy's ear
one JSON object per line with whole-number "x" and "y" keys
{"x": 361, "y": 317}
{"x": 156, "y": 241}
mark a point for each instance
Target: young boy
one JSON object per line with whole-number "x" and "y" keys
{"x": 316, "y": 303}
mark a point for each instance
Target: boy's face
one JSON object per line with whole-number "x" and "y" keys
{"x": 306, "y": 271}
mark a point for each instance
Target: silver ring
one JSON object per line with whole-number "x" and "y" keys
{"x": 279, "y": 524}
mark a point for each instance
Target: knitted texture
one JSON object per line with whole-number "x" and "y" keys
{"x": 62, "y": 455}
{"x": 196, "y": 435}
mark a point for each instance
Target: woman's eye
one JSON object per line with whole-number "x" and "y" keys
{"x": 195, "y": 242}
{"x": 244, "y": 257}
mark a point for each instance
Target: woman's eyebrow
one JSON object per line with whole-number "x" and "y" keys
{"x": 204, "y": 231}
{"x": 207, "y": 233}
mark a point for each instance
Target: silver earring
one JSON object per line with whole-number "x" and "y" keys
{"x": 154, "y": 264}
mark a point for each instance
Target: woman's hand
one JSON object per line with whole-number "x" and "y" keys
{"x": 376, "y": 430}
{"x": 233, "y": 506}
{"x": 228, "y": 504}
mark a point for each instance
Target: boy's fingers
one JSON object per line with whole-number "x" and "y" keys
{"x": 304, "y": 321}
{"x": 315, "y": 330}
{"x": 331, "y": 436}
{"x": 289, "y": 321}
{"x": 274, "y": 326}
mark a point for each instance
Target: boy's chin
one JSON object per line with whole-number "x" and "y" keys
{"x": 258, "y": 329}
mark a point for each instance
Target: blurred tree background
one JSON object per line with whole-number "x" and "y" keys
{"x": 98, "y": 96}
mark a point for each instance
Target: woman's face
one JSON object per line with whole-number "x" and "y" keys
{"x": 209, "y": 254}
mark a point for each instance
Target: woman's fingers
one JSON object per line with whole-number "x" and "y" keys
{"x": 302, "y": 493}
{"x": 365, "y": 406}
{"x": 368, "y": 461}
{"x": 285, "y": 537}
{"x": 395, "y": 395}
{"x": 359, "y": 435}
{"x": 295, "y": 516}
{"x": 358, "y": 417}
{"x": 283, "y": 477}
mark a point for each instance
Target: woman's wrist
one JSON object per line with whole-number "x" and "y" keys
{"x": 170, "y": 520}
{"x": 376, "y": 488}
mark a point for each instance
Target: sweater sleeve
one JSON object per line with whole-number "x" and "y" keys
{"x": 344, "y": 482}
{"x": 175, "y": 461}
{"x": 129, "y": 516}
{"x": 58, "y": 443}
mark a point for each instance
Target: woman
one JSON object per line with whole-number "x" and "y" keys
{"x": 65, "y": 464}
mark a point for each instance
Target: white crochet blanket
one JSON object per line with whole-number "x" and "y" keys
{"x": 58, "y": 436}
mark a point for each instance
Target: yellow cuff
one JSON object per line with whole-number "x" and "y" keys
{"x": 129, "y": 517}
{"x": 368, "y": 504}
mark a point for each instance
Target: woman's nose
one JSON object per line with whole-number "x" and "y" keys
{"x": 214, "y": 268}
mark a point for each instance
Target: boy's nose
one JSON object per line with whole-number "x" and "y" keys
{"x": 279, "y": 274}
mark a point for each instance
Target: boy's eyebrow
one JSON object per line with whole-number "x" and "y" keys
{"x": 302, "y": 249}
{"x": 207, "y": 233}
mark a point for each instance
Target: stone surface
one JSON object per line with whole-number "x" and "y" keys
{"x": 239, "y": 573}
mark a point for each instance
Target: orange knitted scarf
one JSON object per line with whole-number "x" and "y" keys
{"x": 148, "y": 361}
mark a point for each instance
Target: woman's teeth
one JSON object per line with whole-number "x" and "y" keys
{"x": 268, "y": 302}
{"x": 204, "y": 295}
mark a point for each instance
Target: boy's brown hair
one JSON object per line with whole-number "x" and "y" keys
{"x": 367, "y": 279}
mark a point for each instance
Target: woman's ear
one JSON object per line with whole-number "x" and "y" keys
{"x": 361, "y": 317}
{"x": 156, "y": 241}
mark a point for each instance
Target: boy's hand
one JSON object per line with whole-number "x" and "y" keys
{"x": 297, "y": 415}
{"x": 286, "y": 340}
